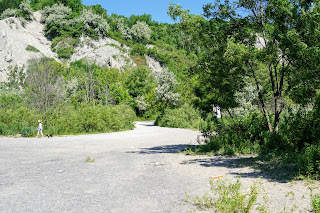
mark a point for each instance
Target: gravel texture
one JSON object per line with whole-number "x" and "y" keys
{"x": 134, "y": 171}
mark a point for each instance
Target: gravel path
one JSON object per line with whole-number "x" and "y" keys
{"x": 134, "y": 171}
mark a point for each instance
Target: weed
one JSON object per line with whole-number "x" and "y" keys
{"x": 315, "y": 202}
{"x": 227, "y": 197}
{"x": 89, "y": 159}
{"x": 291, "y": 193}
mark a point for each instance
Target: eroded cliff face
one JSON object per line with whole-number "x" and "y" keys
{"x": 16, "y": 36}
{"x": 105, "y": 51}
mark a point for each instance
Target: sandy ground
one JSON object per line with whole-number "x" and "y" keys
{"x": 134, "y": 171}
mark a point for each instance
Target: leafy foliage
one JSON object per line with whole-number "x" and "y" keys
{"x": 9, "y": 13}
{"x": 75, "y": 5}
{"x": 17, "y": 118}
{"x": 183, "y": 117}
{"x": 64, "y": 46}
{"x": 23, "y": 10}
{"x": 94, "y": 25}
{"x": 44, "y": 86}
{"x": 57, "y": 13}
{"x": 165, "y": 91}
{"x": 12, "y": 4}
{"x": 141, "y": 31}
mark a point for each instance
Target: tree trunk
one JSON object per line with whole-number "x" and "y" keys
{"x": 265, "y": 112}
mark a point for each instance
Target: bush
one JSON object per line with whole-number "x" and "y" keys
{"x": 309, "y": 160}
{"x": 9, "y": 13}
{"x": 184, "y": 117}
{"x": 245, "y": 134}
{"x": 141, "y": 31}
{"x": 93, "y": 24}
{"x": 67, "y": 119}
{"x": 87, "y": 118}
{"x": 25, "y": 10}
{"x": 28, "y": 131}
{"x": 64, "y": 46}
{"x": 58, "y": 13}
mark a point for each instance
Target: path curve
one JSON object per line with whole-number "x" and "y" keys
{"x": 134, "y": 171}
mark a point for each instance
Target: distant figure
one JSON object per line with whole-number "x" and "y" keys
{"x": 216, "y": 111}
{"x": 39, "y": 128}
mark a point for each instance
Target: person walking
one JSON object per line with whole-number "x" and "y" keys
{"x": 39, "y": 128}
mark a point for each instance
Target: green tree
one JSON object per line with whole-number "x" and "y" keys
{"x": 166, "y": 89}
{"x": 141, "y": 31}
{"x": 44, "y": 85}
{"x": 75, "y": 5}
{"x": 13, "y": 4}
{"x": 289, "y": 54}
{"x": 140, "y": 82}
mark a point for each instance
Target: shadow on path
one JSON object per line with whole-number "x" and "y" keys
{"x": 260, "y": 168}
{"x": 162, "y": 149}
{"x": 234, "y": 164}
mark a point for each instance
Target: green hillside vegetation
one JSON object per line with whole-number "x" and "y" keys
{"x": 269, "y": 96}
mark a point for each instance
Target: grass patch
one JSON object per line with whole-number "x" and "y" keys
{"x": 32, "y": 49}
{"x": 139, "y": 60}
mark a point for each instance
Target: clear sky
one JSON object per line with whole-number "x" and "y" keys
{"x": 157, "y": 8}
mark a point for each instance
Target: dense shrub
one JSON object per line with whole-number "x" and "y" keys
{"x": 57, "y": 13}
{"x": 166, "y": 90}
{"x": 124, "y": 29}
{"x": 93, "y": 24}
{"x": 64, "y": 46}
{"x": 141, "y": 31}
{"x": 87, "y": 118}
{"x": 183, "y": 117}
{"x": 28, "y": 131}
{"x": 24, "y": 11}
{"x": 66, "y": 119}
{"x": 234, "y": 135}
{"x": 9, "y": 13}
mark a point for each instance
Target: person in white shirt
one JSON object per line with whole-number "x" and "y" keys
{"x": 39, "y": 128}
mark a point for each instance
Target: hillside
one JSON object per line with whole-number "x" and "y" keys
{"x": 14, "y": 39}
{"x": 16, "y": 36}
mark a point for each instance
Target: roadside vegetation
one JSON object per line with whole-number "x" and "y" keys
{"x": 231, "y": 196}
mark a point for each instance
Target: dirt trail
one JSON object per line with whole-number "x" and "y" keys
{"x": 134, "y": 171}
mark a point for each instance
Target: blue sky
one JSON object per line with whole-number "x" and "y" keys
{"x": 157, "y": 8}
